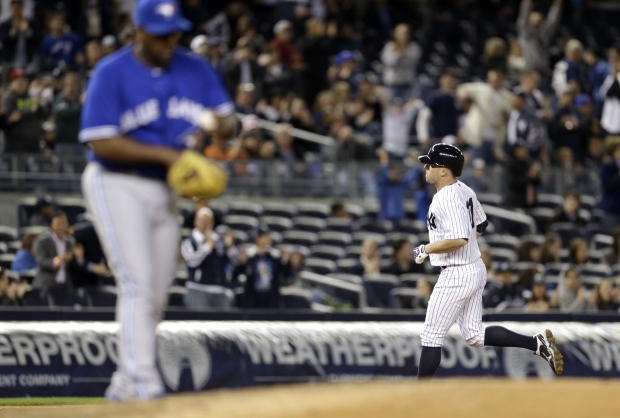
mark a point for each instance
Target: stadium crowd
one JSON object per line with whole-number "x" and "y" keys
{"x": 536, "y": 86}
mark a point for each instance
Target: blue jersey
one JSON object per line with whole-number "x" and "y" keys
{"x": 55, "y": 51}
{"x": 157, "y": 106}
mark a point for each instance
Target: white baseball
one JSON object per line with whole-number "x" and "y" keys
{"x": 207, "y": 121}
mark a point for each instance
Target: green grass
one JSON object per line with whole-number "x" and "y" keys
{"x": 49, "y": 401}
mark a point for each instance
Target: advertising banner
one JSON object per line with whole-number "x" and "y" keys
{"x": 78, "y": 358}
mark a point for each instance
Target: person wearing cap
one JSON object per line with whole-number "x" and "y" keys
{"x": 207, "y": 256}
{"x": 283, "y": 41}
{"x": 24, "y": 115}
{"x": 19, "y": 37}
{"x": 266, "y": 270}
{"x": 502, "y": 293}
{"x": 610, "y": 91}
{"x": 108, "y": 44}
{"x": 143, "y": 108}
{"x": 60, "y": 48}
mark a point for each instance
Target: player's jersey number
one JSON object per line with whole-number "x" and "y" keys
{"x": 470, "y": 206}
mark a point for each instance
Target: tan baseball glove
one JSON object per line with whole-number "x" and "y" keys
{"x": 194, "y": 175}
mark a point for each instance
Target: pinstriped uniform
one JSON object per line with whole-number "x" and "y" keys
{"x": 457, "y": 297}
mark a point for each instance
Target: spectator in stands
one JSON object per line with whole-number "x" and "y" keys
{"x": 610, "y": 182}
{"x": 528, "y": 251}
{"x": 495, "y": 55}
{"x": 523, "y": 177}
{"x": 610, "y": 94}
{"x": 225, "y": 150}
{"x": 578, "y": 252}
{"x": 535, "y": 34}
{"x": 60, "y": 48}
{"x": 19, "y": 37}
{"x": 66, "y": 112}
{"x": 11, "y": 292}
{"x": 198, "y": 203}
{"x": 403, "y": 259}
{"x": 502, "y": 292}
{"x": 611, "y": 256}
{"x": 485, "y": 123}
{"x": 400, "y": 60}
{"x": 25, "y": 115}
{"x": 24, "y": 259}
{"x": 206, "y": 255}
{"x": 43, "y": 211}
{"x": 369, "y": 261}
{"x": 392, "y": 185}
{"x": 53, "y": 252}
{"x": 569, "y": 212}
{"x": 567, "y": 72}
{"x": 598, "y": 71}
{"x": 241, "y": 68}
{"x": 316, "y": 47}
{"x": 284, "y": 145}
{"x": 277, "y": 77}
{"x": 441, "y": 114}
{"x": 91, "y": 267}
{"x": 535, "y": 100}
{"x": 571, "y": 295}
{"x": 94, "y": 53}
{"x": 339, "y": 210}
{"x": 516, "y": 61}
{"x": 108, "y": 45}
{"x": 398, "y": 115}
{"x": 350, "y": 147}
{"x": 283, "y": 42}
{"x": 550, "y": 249}
{"x": 344, "y": 72}
{"x": 296, "y": 260}
{"x": 524, "y": 127}
{"x": 604, "y": 297}
{"x": 539, "y": 301}
{"x": 265, "y": 269}
{"x": 425, "y": 289}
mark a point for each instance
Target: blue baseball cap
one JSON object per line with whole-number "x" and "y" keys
{"x": 344, "y": 56}
{"x": 582, "y": 99}
{"x": 160, "y": 17}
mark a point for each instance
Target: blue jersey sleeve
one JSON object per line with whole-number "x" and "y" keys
{"x": 102, "y": 110}
{"x": 215, "y": 95}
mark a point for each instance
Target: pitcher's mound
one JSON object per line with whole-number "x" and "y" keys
{"x": 448, "y": 398}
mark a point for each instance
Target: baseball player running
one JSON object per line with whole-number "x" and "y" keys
{"x": 144, "y": 105}
{"x": 455, "y": 220}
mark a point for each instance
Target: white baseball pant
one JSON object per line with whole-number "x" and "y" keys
{"x": 457, "y": 297}
{"x": 136, "y": 222}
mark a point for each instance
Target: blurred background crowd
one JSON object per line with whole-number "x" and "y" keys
{"x": 528, "y": 89}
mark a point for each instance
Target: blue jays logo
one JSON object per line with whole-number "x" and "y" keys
{"x": 166, "y": 10}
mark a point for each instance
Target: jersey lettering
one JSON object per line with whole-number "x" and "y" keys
{"x": 184, "y": 109}
{"x": 431, "y": 221}
{"x": 141, "y": 115}
{"x": 470, "y": 206}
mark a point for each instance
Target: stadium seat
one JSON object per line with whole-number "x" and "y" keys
{"x": 347, "y": 265}
{"x": 596, "y": 270}
{"x": 310, "y": 224}
{"x": 277, "y": 223}
{"x": 7, "y": 234}
{"x": 351, "y": 278}
{"x": 313, "y": 209}
{"x": 378, "y": 290}
{"x": 567, "y": 232}
{"x": 34, "y": 297}
{"x": 601, "y": 241}
{"x": 386, "y": 253}
{"x": 548, "y": 200}
{"x": 403, "y": 297}
{"x": 354, "y": 251}
{"x": 285, "y": 210}
{"x": 276, "y": 238}
{"x": 359, "y": 237}
{"x": 241, "y": 236}
{"x": 379, "y": 227}
{"x": 28, "y": 275}
{"x": 492, "y": 199}
{"x": 320, "y": 266}
{"x": 6, "y": 260}
{"x": 3, "y": 248}
{"x": 411, "y": 279}
{"x": 180, "y": 277}
{"x": 296, "y": 298}
{"x": 339, "y": 239}
{"x": 63, "y": 296}
{"x": 34, "y": 230}
{"x": 176, "y": 295}
{"x": 502, "y": 255}
{"x": 328, "y": 252}
{"x": 219, "y": 208}
{"x": 25, "y": 209}
{"x": 245, "y": 208}
{"x": 353, "y": 293}
{"x": 99, "y": 296}
{"x": 503, "y": 241}
{"x": 303, "y": 238}
{"x": 339, "y": 225}
{"x": 542, "y": 216}
{"x": 73, "y": 207}
{"x": 411, "y": 227}
{"x": 356, "y": 211}
{"x": 588, "y": 202}
{"x": 240, "y": 222}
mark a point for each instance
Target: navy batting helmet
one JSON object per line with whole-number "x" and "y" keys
{"x": 445, "y": 155}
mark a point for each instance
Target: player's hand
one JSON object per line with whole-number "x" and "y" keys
{"x": 419, "y": 254}
{"x": 208, "y": 121}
